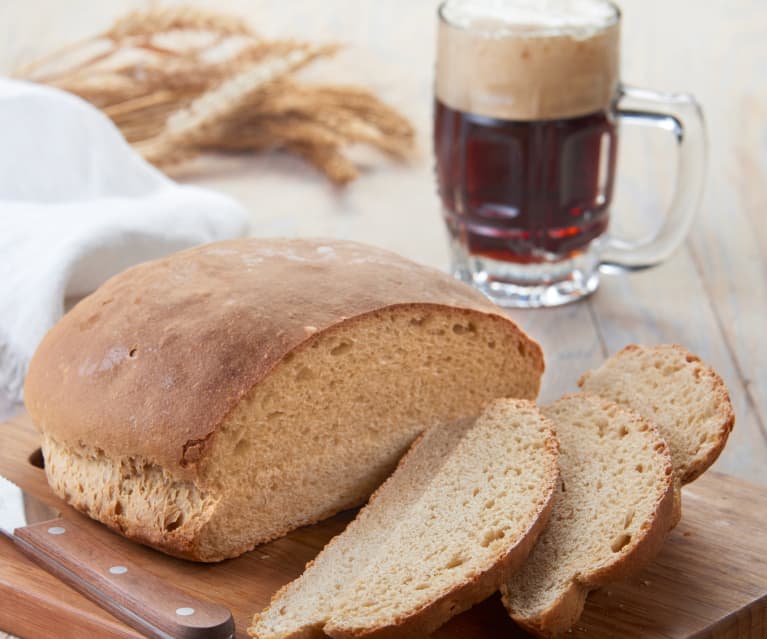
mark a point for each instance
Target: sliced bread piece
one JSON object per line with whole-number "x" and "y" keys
{"x": 683, "y": 398}
{"x": 610, "y": 516}
{"x": 459, "y": 514}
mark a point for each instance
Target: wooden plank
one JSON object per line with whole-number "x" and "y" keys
{"x": 710, "y": 571}
{"x": 570, "y": 342}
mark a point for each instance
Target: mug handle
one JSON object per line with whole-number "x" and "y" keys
{"x": 681, "y": 115}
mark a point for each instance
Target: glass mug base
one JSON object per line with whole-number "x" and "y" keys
{"x": 514, "y": 285}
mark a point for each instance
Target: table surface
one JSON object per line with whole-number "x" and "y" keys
{"x": 711, "y": 296}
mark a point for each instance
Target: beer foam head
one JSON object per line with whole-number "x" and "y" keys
{"x": 576, "y": 18}
{"x": 528, "y": 59}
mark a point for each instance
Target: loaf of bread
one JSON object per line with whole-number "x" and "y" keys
{"x": 612, "y": 510}
{"x": 223, "y": 396}
{"x": 458, "y": 515}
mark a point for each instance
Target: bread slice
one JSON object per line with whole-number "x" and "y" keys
{"x": 461, "y": 511}
{"x": 611, "y": 512}
{"x": 220, "y": 397}
{"x": 683, "y": 398}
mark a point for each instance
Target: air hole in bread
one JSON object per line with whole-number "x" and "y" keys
{"x": 628, "y": 519}
{"x": 241, "y": 447}
{"x": 455, "y": 561}
{"x": 118, "y": 510}
{"x": 624, "y": 431}
{"x": 620, "y": 542}
{"x": 175, "y": 523}
{"x": 132, "y": 352}
{"x": 491, "y": 344}
{"x": 490, "y": 536}
{"x": 490, "y": 503}
{"x": 639, "y": 468}
{"x": 343, "y": 348}
{"x": 304, "y": 374}
{"x": 475, "y": 492}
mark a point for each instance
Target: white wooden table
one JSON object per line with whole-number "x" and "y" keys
{"x": 711, "y": 297}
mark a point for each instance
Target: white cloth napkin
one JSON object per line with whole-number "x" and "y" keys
{"x": 78, "y": 205}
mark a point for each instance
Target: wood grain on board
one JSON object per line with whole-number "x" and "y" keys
{"x": 709, "y": 576}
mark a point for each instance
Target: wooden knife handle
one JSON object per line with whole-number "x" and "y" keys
{"x": 133, "y": 595}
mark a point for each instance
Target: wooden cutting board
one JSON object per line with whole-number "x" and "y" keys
{"x": 710, "y": 580}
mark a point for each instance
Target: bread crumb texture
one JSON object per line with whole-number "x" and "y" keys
{"x": 682, "y": 396}
{"x": 459, "y": 513}
{"x": 610, "y": 516}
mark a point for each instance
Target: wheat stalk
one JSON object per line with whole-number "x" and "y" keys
{"x": 193, "y": 125}
{"x": 176, "y": 98}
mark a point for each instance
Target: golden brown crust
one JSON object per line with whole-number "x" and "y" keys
{"x": 171, "y": 346}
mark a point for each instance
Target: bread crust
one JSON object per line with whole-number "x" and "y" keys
{"x": 153, "y": 361}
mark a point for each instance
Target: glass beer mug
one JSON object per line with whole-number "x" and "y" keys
{"x": 528, "y": 102}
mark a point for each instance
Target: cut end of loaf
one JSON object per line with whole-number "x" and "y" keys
{"x": 682, "y": 396}
{"x": 611, "y": 512}
{"x": 132, "y": 496}
{"x": 460, "y": 512}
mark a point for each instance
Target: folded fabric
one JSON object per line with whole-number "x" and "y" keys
{"x": 78, "y": 205}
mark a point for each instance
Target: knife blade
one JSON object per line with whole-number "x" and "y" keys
{"x": 132, "y": 594}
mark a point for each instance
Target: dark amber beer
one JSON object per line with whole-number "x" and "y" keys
{"x": 525, "y": 191}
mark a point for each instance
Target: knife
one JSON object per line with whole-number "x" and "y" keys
{"x": 133, "y": 595}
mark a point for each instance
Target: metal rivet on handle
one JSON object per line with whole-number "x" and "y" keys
{"x": 184, "y": 612}
{"x": 56, "y": 530}
{"x": 118, "y": 570}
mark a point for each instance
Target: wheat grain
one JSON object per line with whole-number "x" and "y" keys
{"x": 193, "y": 124}
{"x": 160, "y": 76}
{"x": 328, "y": 160}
